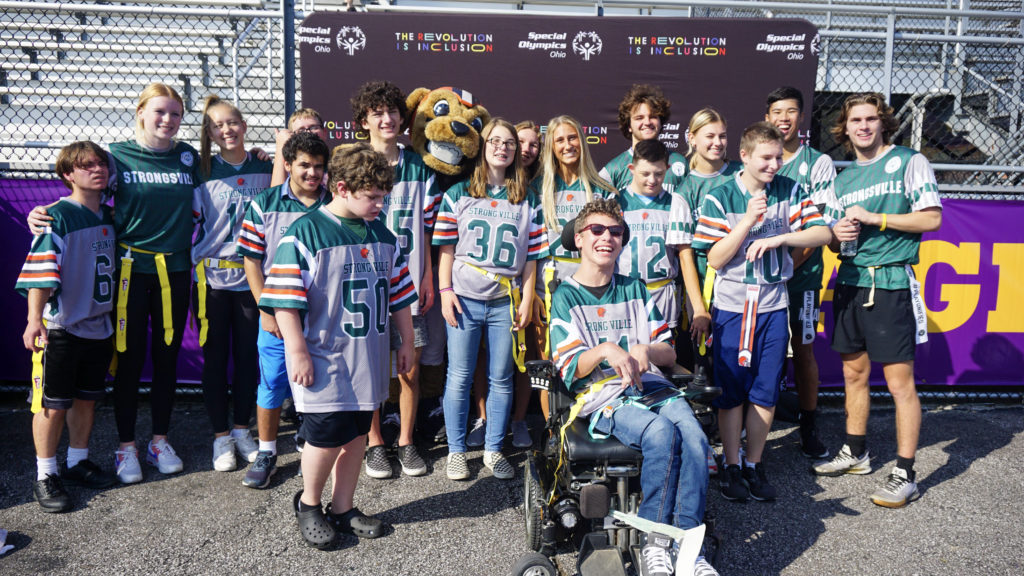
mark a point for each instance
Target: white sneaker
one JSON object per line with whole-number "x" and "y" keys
{"x": 703, "y": 568}
{"x": 224, "y": 454}
{"x": 161, "y": 455}
{"x": 126, "y": 462}
{"x": 246, "y": 446}
{"x": 521, "y": 434}
{"x": 477, "y": 433}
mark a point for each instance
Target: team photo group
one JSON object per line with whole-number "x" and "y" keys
{"x": 329, "y": 278}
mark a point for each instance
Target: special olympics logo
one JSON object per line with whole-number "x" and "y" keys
{"x": 350, "y": 39}
{"x": 587, "y": 44}
{"x": 186, "y": 158}
{"x": 816, "y": 44}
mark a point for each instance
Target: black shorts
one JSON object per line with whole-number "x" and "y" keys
{"x": 334, "y": 429}
{"x": 885, "y": 330}
{"x": 73, "y": 368}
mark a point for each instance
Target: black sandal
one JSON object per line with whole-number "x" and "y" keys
{"x": 313, "y": 525}
{"x": 356, "y": 523}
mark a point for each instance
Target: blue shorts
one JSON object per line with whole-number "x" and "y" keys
{"x": 759, "y": 382}
{"x": 273, "y": 388}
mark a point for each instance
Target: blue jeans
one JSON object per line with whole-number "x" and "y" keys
{"x": 479, "y": 318}
{"x": 674, "y": 476}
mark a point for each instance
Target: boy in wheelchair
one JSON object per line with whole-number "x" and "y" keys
{"x": 608, "y": 340}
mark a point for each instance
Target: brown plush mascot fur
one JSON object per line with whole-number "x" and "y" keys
{"x": 444, "y": 126}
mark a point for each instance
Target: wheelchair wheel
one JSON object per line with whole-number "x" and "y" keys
{"x": 534, "y": 564}
{"x": 533, "y": 501}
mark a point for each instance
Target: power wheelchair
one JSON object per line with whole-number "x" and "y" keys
{"x": 578, "y": 487}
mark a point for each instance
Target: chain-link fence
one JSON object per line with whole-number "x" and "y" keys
{"x": 953, "y": 69}
{"x": 74, "y": 71}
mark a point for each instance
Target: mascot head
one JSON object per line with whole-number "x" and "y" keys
{"x": 445, "y": 126}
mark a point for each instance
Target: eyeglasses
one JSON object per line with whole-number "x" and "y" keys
{"x": 499, "y": 144}
{"x": 615, "y": 230}
{"x": 310, "y": 129}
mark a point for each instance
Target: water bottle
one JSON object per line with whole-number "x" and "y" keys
{"x": 848, "y": 248}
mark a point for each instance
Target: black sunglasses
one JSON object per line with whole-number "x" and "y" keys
{"x": 616, "y": 230}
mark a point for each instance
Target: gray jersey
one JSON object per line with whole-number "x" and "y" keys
{"x": 75, "y": 258}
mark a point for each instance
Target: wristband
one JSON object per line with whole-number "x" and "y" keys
{"x": 884, "y": 223}
{"x": 443, "y": 290}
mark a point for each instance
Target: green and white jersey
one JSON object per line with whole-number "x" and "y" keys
{"x": 492, "y": 234}
{"x": 218, "y": 206}
{"x": 345, "y": 277}
{"x": 789, "y": 210}
{"x": 153, "y": 202}
{"x": 624, "y": 314}
{"x": 617, "y": 171}
{"x": 816, "y": 173}
{"x": 75, "y": 252}
{"x": 409, "y": 211}
{"x": 569, "y": 200}
{"x": 267, "y": 218}
{"x": 694, "y": 189}
{"x": 899, "y": 181}
{"x": 646, "y": 256}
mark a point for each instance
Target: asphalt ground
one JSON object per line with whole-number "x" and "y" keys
{"x": 968, "y": 520}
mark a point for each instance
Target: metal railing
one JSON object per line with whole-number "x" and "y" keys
{"x": 953, "y": 70}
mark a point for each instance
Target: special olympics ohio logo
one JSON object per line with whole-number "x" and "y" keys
{"x": 816, "y": 44}
{"x": 587, "y": 44}
{"x": 350, "y": 39}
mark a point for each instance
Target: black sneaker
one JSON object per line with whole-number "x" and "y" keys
{"x": 757, "y": 483}
{"x": 89, "y": 475}
{"x": 812, "y": 447}
{"x": 51, "y": 495}
{"x": 258, "y": 475}
{"x": 732, "y": 484}
{"x": 656, "y": 556}
{"x": 411, "y": 461}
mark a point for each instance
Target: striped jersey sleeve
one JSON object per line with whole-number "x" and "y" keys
{"x": 920, "y": 184}
{"x": 680, "y": 231}
{"x": 43, "y": 263}
{"x": 252, "y": 240}
{"x": 712, "y": 226}
{"x": 566, "y": 345}
{"x": 802, "y": 211}
{"x": 446, "y": 225}
{"x": 431, "y": 200}
{"x": 538, "y": 246}
{"x": 291, "y": 275}
{"x": 402, "y": 292}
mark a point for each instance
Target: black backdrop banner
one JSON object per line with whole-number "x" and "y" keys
{"x": 535, "y": 68}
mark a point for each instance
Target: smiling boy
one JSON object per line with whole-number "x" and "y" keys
{"x": 890, "y": 198}
{"x": 747, "y": 226}
{"x": 268, "y": 216}
{"x": 646, "y": 208}
{"x": 816, "y": 173}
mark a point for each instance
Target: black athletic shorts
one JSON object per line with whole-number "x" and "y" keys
{"x": 74, "y": 367}
{"x": 885, "y": 330}
{"x": 334, "y": 429}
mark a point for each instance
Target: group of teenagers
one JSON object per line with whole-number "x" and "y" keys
{"x": 330, "y": 263}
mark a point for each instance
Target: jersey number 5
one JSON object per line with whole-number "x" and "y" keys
{"x": 367, "y": 305}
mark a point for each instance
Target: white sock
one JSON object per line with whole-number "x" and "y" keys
{"x": 270, "y": 446}
{"x": 46, "y": 466}
{"x": 239, "y": 432}
{"x": 749, "y": 464}
{"x": 76, "y": 455}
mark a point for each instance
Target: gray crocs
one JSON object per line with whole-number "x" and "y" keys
{"x": 313, "y": 525}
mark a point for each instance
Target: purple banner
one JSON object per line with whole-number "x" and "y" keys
{"x": 17, "y": 198}
{"x": 972, "y": 272}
